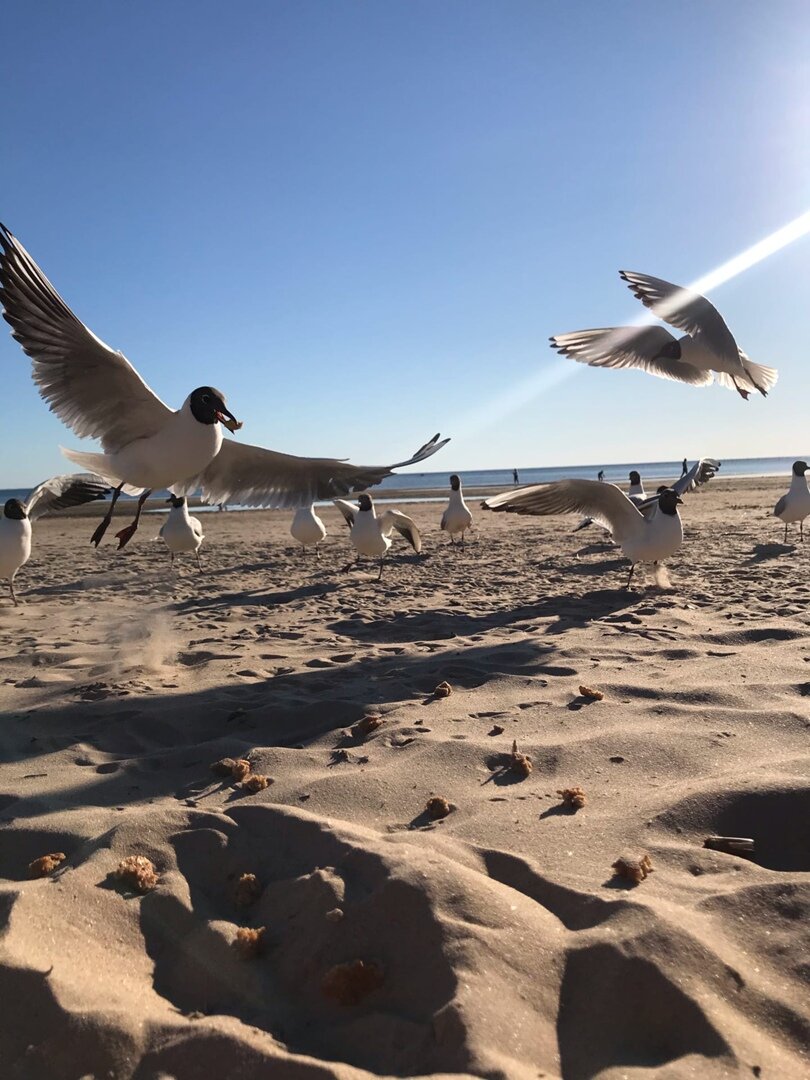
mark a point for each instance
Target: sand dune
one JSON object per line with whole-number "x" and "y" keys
{"x": 496, "y": 941}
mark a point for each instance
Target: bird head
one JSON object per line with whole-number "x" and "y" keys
{"x": 800, "y": 468}
{"x": 208, "y": 407}
{"x": 455, "y": 482}
{"x": 635, "y": 477}
{"x": 669, "y": 501}
{"x": 176, "y": 500}
{"x": 364, "y": 502}
{"x": 14, "y": 510}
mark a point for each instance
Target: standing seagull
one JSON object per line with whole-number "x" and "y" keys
{"x": 643, "y": 539}
{"x": 58, "y": 493}
{"x": 181, "y": 532}
{"x": 147, "y": 446}
{"x": 707, "y": 348}
{"x": 795, "y": 503}
{"x": 457, "y": 517}
{"x": 307, "y": 528}
{"x": 371, "y": 535}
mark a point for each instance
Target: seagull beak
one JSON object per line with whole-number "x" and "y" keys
{"x": 679, "y": 500}
{"x": 227, "y": 419}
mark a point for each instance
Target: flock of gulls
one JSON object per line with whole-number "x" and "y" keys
{"x": 147, "y": 446}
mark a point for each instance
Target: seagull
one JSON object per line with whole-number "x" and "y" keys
{"x": 706, "y": 350}
{"x": 457, "y": 517}
{"x": 181, "y": 532}
{"x": 643, "y": 539}
{"x": 58, "y": 493}
{"x": 148, "y": 446}
{"x": 307, "y": 528}
{"x": 371, "y": 535}
{"x": 795, "y": 503}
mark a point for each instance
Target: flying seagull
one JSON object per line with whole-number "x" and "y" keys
{"x": 147, "y": 446}
{"x": 180, "y": 532}
{"x": 795, "y": 503}
{"x": 58, "y": 493}
{"x": 643, "y": 539}
{"x": 371, "y": 535}
{"x": 457, "y": 517}
{"x": 706, "y": 351}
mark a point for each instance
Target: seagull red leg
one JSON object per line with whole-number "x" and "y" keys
{"x": 126, "y": 534}
{"x": 97, "y": 536}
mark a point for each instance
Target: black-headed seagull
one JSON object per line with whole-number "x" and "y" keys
{"x": 181, "y": 532}
{"x": 706, "y": 350}
{"x": 147, "y": 446}
{"x": 647, "y": 533}
{"x": 795, "y": 503}
{"x": 58, "y": 493}
{"x": 457, "y": 517}
{"x": 371, "y": 535}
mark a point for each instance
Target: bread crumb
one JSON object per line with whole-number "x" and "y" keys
{"x": 46, "y": 864}
{"x": 573, "y": 796}
{"x": 635, "y": 870}
{"x": 240, "y": 769}
{"x": 256, "y": 782}
{"x": 247, "y": 890}
{"x": 349, "y": 983}
{"x": 335, "y": 915}
{"x": 223, "y": 767}
{"x": 138, "y": 872}
{"x": 248, "y": 943}
{"x": 366, "y": 726}
{"x": 437, "y": 807}
{"x": 444, "y": 689}
{"x": 591, "y": 695}
{"x": 521, "y": 764}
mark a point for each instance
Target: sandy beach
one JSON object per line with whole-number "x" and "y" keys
{"x": 496, "y": 941}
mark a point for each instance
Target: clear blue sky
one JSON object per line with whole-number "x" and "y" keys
{"x": 362, "y": 220}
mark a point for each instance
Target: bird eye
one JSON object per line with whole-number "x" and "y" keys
{"x": 206, "y": 398}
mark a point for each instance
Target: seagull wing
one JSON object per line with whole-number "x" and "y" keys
{"x": 60, "y": 492}
{"x": 686, "y": 310}
{"x": 701, "y": 472}
{"x": 781, "y": 506}
{"x": 605, "y": 503}
{"x": 253, "y": 476}
{"x": 90, "y": 387}
{"x": 629, "y": 347}
{"x": 346, "y": 509}
{"x": 405, "y": 526}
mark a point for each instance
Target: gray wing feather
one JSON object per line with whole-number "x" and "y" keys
{"x": 603, "y": 502}
{"x": 629, "y": 347}
{"x": 346, "y": 509}
{"x": 780, "y": 507}
{"x": 254, "y": 476}
{"x": 61, "y": 492}
{"x": 686, "y": 310}
{"x": 90, "y": 387}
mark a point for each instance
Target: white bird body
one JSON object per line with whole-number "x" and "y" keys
{"x": 178, "y": 452}
{"x": 795, "y": 503}
{"x": 307, "y": 528}
{"x": 371, "y": 535}
{"x": 180, "y": 531}
{"x": 15, "y": 546}
{"x": 457, "y": 517}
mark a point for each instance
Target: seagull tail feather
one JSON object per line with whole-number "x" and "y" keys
{"x": 98, "y": 464}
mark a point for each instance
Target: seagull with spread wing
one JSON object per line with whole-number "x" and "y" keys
{"x": 148, "y": 446}
{"x": 58, "y": 493}
{"x": 647, "y": 532}
{"x": 371, "y": 535}
{"x": 707, "y": 349}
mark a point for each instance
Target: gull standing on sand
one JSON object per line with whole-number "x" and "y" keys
{"x": 371, "y": 535}
{"x": 58, "y": 493}
{"x": 307, "y": 528}
{"x": 147, "y": 446}
{"x": 706, "y": 350}
{"x": 180, "y": 532}
{"x": 795, "y": 503}
{"x": 457, "y": 517}
{"x": 643, "y": 539}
